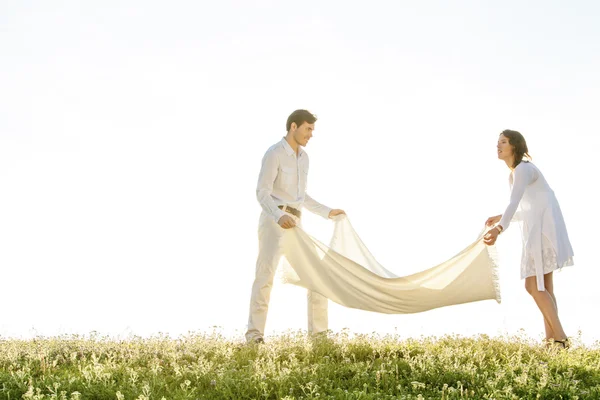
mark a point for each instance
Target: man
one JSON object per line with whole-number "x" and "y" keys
{"x": 281, "y": 192}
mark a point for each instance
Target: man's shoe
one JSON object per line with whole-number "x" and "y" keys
{"x": 259, "y": 340}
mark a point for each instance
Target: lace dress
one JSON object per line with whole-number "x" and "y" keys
{"x": 546, "y": 245}
{"x": 549, "y": 261}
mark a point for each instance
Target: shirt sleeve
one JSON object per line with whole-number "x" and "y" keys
{"x": 523, "y": 175}
{"x": 315, "y": 207}
{"x": 264, "y": 188}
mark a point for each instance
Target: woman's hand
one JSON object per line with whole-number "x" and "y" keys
{"x": 491, "y": 236}
{"x": 493, "y": 220}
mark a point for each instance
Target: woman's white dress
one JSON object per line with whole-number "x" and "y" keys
{"x": 546, "y": 245}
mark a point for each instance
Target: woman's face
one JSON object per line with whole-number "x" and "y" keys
{"x": 505, "y": 149}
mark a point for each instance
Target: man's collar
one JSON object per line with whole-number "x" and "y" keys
{"x": 288, "y": 148}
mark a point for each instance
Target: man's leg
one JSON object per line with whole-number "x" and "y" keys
{"x": 317, "y": 312}
{"x": 269, "y": 254}
{"x": 317, "y": 309}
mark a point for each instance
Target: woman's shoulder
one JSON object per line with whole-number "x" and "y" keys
{"x": 525, "y": 165}
{"x": 528, "y": 169}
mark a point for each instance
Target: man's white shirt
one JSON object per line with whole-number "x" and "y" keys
{"x": 283, "y": 180}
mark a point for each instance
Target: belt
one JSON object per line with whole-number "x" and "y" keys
{"x": 291, "y": 210}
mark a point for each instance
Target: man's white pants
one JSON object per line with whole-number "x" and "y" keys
{"x": 269, "y": 254}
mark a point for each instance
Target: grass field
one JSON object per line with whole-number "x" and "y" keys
{"x": 293, "y": 366}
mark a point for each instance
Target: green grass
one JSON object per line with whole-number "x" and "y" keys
{"x": 293, "y": 366}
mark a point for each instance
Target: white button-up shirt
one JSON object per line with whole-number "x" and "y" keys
{"x": 282, "y": 181}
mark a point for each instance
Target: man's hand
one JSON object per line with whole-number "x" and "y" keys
{"x": 491, "y": 236}
{"x": 493, "y": 220}
{"x": 286, "y": 222}
{"x": 335, "y": 212}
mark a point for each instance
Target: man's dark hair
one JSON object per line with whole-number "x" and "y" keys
{"x": 300, "y": 117}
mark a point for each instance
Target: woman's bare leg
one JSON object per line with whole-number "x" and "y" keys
{"x": 547, "y": 305}
{"x": 549, "y": 285}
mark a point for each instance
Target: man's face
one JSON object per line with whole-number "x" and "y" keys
{"x": 303, "y": 133}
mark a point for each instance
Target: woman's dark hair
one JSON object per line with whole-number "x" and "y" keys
{"x": 519, "y": 145}
{"x": 300, "y": 117}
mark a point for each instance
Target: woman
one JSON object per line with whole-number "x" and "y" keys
{"x": 546, "y": 245}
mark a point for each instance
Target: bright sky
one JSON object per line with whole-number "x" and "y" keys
{"x": 131, "y": 135}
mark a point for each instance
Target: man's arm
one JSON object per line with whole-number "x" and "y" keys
{"x": 315, "y": 207}
{"x": 264, "y": 188}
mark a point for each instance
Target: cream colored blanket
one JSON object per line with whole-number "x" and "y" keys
{"x": 348, "y": 274}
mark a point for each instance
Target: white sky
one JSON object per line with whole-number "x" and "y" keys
{"x": 131, "y": 135}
